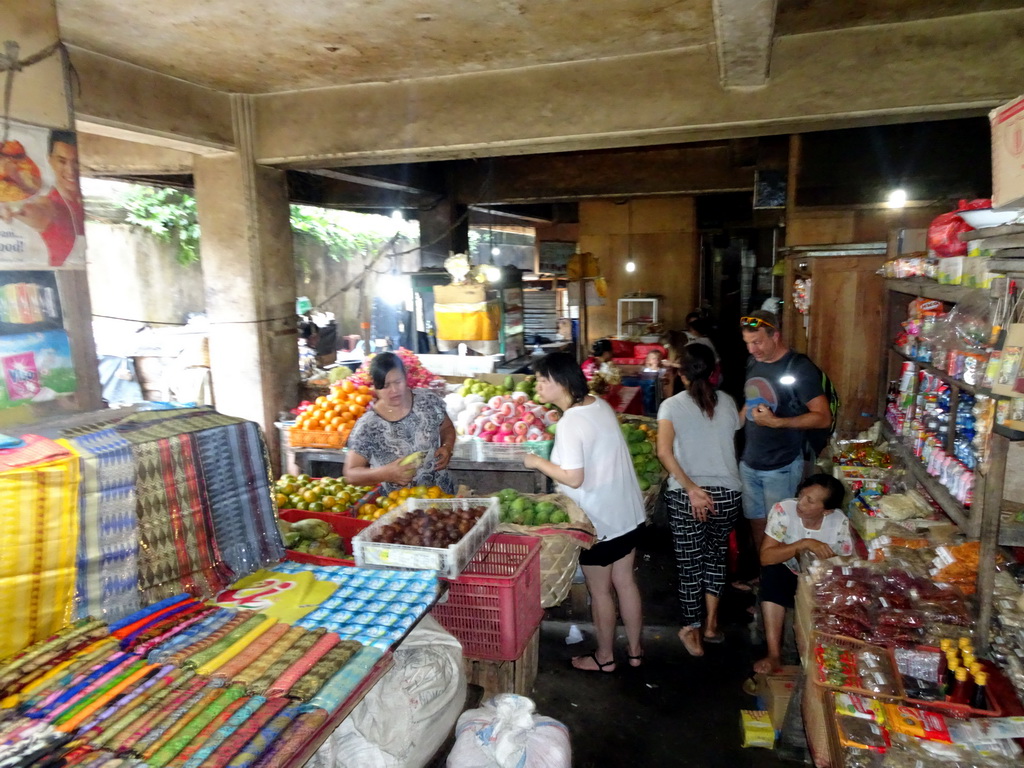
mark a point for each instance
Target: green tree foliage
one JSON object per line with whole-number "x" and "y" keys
{"x": 170, "y": 215}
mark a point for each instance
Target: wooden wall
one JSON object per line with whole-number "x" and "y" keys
{"x": 664, "y": 246}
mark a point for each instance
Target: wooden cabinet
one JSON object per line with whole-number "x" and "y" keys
{"x": 842, "y": 330}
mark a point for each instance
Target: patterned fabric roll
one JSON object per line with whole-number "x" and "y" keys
{"x": 124, "y": 705}
{"x": 243, "y": 713}
{"x": 176, "y": 552}
{"x": 229, "y": 652}
{"x": 236, "y": 469}
{"x": 39, "y": 518}
{"x": 291, "y": 675}
{"x": 148, "y": 611}
{"x": 291, "y": 655}
{"x": 302, "y": 730}
{"x": 201, "y": 629}
{"x": 178, "y": 657}
{"x": 161, "y": 626}
{"x": 143, "y": 706}
{"x": 272, "y": 654}
{"x": 310, "y": 683}
{"x": 233, "y": 744}
{"x": 192, "y": 746}
{"x": 150, "y": 426}
{"x": 207, "y": 698}
{"x": 173, "y": 714}
{"x": 162, "y": 637}
{"x": 68, "y": 697}
{"x": 252, "y": 652}
{"x": 187, "y": 734}
{"x": 266, "y": 736}
{"x": 338, "y": 688}
{"x": 175, "y": 605}
{"x": 212, "y": 651}
{"x": 61, "y": 674}
{"x": 106, "y": 695}
{"x": 108, "y": 542}
{"x": 156, "y": 714}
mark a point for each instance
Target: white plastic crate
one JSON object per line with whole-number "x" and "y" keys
{"x": 512, "y": 452}
{"x": 449, "y": 562}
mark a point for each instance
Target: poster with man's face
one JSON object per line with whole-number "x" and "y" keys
{"x": 42, "y": 216}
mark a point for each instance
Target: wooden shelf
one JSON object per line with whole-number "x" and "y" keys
{"x": 1011, "y": 534}
{"x": 929, "y": 289}
{"x": 962, "y": 385}
{"x": 953, "y": 508}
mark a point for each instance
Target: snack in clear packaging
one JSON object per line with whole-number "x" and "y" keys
{"x": 861, "y": 734}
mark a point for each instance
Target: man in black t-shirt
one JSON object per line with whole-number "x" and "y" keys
{"x": 783, "y": 398}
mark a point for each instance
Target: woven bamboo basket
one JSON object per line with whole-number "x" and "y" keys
{"x": 560, "y": 547}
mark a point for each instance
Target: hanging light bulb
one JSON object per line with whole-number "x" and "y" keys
{"x": 495, "y": 251}
{"x": 630, "y": 266}
{"x": 492, "y": 273}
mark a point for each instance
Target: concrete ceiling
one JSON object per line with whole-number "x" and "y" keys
{"x": 270, "y": 46}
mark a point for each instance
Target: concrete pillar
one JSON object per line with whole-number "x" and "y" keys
{"x": 444, "y": 229}
{"x": 40, "y": 95}
{"x": 246, "y": 249}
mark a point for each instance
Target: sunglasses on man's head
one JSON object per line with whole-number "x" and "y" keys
{"x": 754, "y": 322}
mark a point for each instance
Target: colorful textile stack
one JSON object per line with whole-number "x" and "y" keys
{"x": 95, "y": 694}
{"x": 108, "y": 539}
{"x": 39, "y": 518}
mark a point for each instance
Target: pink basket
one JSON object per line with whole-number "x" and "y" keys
{"x": 493, "y": 607}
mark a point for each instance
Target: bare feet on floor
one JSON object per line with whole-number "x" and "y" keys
{"x": 768, "y": 665}
{"x": 690, "y": 638}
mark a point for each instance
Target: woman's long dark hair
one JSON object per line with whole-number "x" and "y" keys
{"x": 562, "y": 368}
{"x": 382, "y": 365}
{"x": 698, "y": 365}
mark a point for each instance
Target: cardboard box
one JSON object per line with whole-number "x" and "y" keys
{"x": 774, "y": 691}
{"x": 460, "y": 294}
{"x": 1007, "y": 124}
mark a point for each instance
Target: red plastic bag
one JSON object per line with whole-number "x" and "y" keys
{"x": 944, "y": 231}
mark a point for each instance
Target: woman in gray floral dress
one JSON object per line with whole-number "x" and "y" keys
{"x": 403, "y": 421}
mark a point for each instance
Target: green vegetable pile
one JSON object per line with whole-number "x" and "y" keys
{"x": 313, "y": 537}
{"x": 645, "y": 460}
{"x": 521, "y": 510}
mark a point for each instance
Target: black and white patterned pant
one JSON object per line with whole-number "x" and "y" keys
{"x": 701, "y": 547}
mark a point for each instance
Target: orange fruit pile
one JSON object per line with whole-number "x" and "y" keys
{"x": 371, "y": 511}
{"x": 338, "y": 411}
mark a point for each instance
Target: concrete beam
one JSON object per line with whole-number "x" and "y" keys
{"x": 830, "y": 79}
{"x": 118, "y": 98}
{"x": 625, "y": 173}
{"x": 105, "y": 156}
{"x": 743, "y": 37}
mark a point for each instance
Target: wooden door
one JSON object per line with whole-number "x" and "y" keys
{"x": 845, "y": 333}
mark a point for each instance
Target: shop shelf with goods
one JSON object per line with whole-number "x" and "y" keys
{"x": 633, "y": 314}
{"x": 903, "y": 375}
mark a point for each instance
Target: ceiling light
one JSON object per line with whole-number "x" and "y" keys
{"x": 495, "y": 251}
{"x": 897, "y": 198}
{"x": 396, "y": 215}
{"x": 630, "y": 266}
{"x": 492, "y": 273}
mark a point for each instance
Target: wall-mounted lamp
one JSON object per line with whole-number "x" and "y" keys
{"x": 897, "y": 198}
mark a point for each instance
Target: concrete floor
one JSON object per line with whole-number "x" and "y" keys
{"x": 675, "y": 710}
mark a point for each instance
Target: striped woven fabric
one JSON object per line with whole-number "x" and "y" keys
{"x": 39, "y": 518}
{"x": 237, "y": 479}
{"x": 149, "y": 426}
{"x": 108, "y": 541}
{"x": 177, "y": 553}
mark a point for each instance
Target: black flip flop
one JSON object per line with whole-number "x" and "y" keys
{"x": 600, "y": 666}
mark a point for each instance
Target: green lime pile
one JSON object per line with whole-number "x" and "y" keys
{"x": 522, "y": 510}
{"x": 487, "y": 391}
{"x": 645, "y": 460}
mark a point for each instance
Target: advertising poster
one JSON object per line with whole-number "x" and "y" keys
{"x": 42, "y": 216}
{"x": 35, "y": 368}
{"x": 29, "y": 303}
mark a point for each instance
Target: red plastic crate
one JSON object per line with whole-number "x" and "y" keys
{"x": 344, "y": 526}
{"x": 493, "y": 608}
